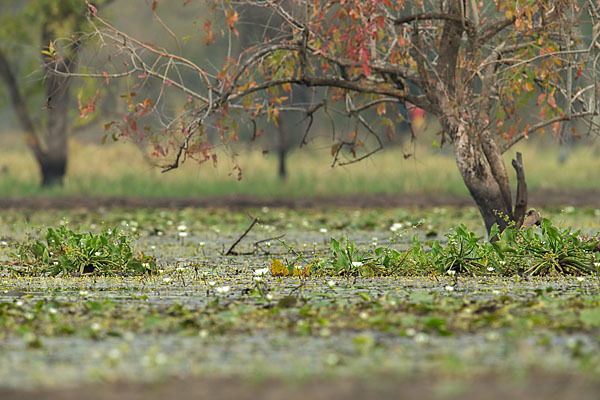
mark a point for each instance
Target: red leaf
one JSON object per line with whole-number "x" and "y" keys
{"x": 92, "y": 9}
{"x": 154, "y": 4}
{"x": 364, "y": 54}
{"x": 555, "y": 127}
{"x": 541, "y": 98}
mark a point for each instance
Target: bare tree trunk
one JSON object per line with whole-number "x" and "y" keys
{"x": 477, "y": 155}
{"x": 489, "y": 185}
{"x": 54, "y": 163}
{"x": 282, "y": 149}
{"x": 49, "y": 149}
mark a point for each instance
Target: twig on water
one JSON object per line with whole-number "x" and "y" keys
{"x": 230, "y": 251}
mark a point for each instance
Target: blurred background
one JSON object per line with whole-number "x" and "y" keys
{"x": 44, "y": 140}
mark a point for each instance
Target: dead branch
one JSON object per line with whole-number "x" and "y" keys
{"x": 521, "y": 200}
{"x": 230, "y": 251}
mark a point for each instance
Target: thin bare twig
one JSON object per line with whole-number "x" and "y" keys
{"x": 230, "y": 251}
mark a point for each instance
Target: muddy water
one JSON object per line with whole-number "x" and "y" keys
{"x": 189, "y": 268}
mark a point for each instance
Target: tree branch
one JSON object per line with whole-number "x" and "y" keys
{"x": 490, "y": 30}
{"x": 518, "y": 137}
{"x": 433, "y": 16}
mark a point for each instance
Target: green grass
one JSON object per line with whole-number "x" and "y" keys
{"x": 122, "y": 170}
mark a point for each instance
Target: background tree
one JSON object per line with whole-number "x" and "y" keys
{"x": 42, "y": 101}
{"x": 479, "y": 67}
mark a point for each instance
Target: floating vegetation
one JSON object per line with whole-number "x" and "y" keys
{"x": 66, "y": 252}
{"x": 532, "y": 251}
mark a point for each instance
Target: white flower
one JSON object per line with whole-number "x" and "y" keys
{"x": 182, "y": 227}
{"x": 167, "y": 280}
{"x": 4, "y": 243}
{"x": 269, "y": 297}
{"x": 153, "y": 247}
{"x": 146, "y": 265}
{"x": 265, "y": 209}
{"x": 211, "y": 283}
{"x": 257, "y": 279}
{"x": 580, "y": 279}
{"x": 323, "y": 230}
{"x": 411, "y": 332}
{"x": 223, "y": 289}
{"x": 451, "y": 272}
{"x": 202, "y": 244}
{"x": 331, "y": 283}
{"x": 55, "y": 263}
{"x": 396, "y": 226}
{"x": 261, "y": 271}
{"x": 183, "y": 234}
{"x": 363, "y": 315}
{"x": 502, "y": 262}
{"x": 19, "y": 303}
{"x": 421, "y": 338}
{"x": 180, "y": 269}
{"x": 95, "y": 327}
{"x": 98, "y": 253}
{"x": 298, "y": 267}
{"x": 159, "y": 233}
{"x": 492, "y": 337}
{"x": 52, "y": 310}
{"x": 83, "y": 293}
{"x": 449, "y": 288}
{"x": 114, "y": 354}
{"x": 357, "y": 264}
{"x": 496, "y": 292}
{"x": 597, "y": 264}
{"x": 490, "y": 269}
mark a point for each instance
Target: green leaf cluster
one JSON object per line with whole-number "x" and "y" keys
{"x": 546, "y": 250}
{"x": 66, "y": 252}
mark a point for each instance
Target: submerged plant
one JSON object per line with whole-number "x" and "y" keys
{"x": 67, "y": 252}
